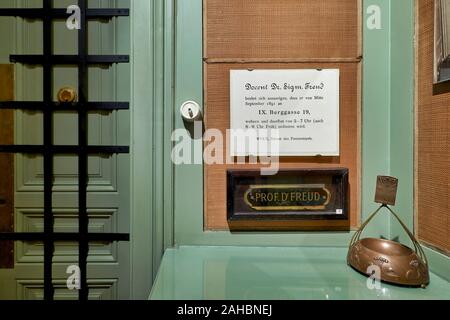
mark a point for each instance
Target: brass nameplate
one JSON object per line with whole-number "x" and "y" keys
{"x": 302, "y": 194}
{"x": 287, "y": 197}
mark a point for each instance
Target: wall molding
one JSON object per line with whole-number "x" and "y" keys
{"x": 151, "y": 119}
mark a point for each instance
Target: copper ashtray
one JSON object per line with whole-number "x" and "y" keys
{"x": 398, "y": 264}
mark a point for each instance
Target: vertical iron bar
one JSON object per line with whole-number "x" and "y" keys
{"x": 82, "y": 156}
{"x": 48, "y": 156}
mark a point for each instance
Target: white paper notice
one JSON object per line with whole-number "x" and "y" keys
{"x": 299, "y": 107}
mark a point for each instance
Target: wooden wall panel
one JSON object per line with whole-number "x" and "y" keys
{"x": 432, "y": 142}
{"x": 286, "y": 34}
{"x": 282, "y": 29}
{"x": 6, "y": 166}
{"x": 217, "y": 115}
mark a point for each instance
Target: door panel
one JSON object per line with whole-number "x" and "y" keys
{"x": 108, "y": 185}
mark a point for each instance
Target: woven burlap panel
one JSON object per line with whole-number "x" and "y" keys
{"x": 282, "y": 29}
{"x": 433, "y": 142}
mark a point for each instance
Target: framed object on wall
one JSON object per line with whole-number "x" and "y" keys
{"x": 441, "y": 67}
{"x": 256, "y": 202}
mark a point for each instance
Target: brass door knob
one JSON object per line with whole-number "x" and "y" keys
{"x": 67, "y": 95}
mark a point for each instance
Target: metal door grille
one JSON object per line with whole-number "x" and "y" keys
{"x": 48, "y": 150}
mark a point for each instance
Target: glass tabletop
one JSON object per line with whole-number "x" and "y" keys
{"x": 254, "y": 273}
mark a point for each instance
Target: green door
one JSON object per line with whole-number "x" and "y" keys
{"x": 108, "y": 197}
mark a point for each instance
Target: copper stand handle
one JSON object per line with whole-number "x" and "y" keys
{"x": 416, "y": 244}
{"x": 418, "y": 248}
